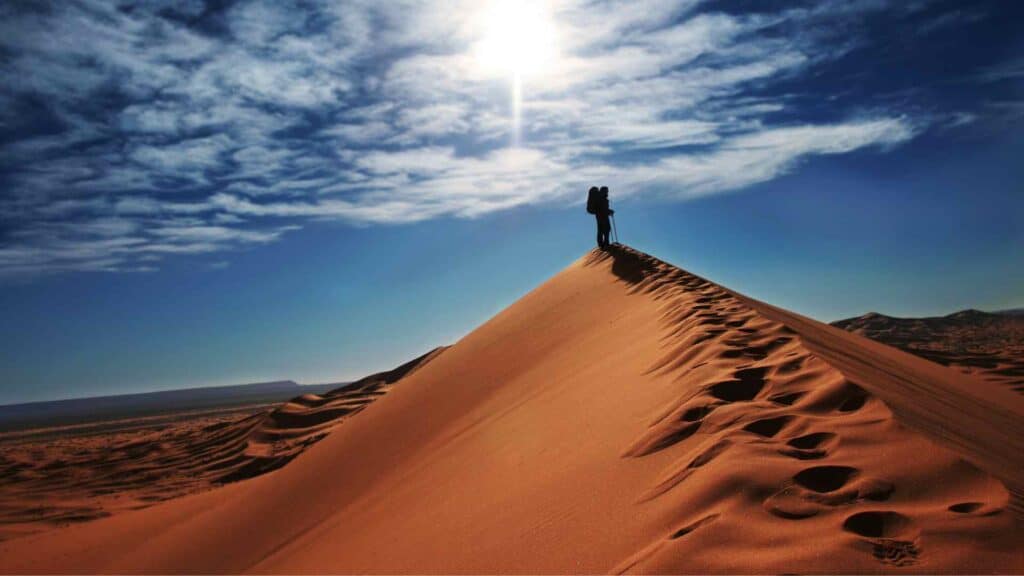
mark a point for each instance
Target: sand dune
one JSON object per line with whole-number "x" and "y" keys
{"x": 625, "y": 416}
{"x": 988, "y": 345}
{"x": 69, "y": 478}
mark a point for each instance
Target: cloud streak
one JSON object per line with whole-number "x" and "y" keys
{"x": 134, "y": 132}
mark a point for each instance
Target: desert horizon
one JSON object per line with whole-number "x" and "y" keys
{"x": 872, "y": 324}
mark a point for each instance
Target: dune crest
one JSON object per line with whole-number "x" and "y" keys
{"x": 625, "y": 416}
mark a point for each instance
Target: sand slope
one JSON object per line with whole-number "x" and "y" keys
{"x": 624, "y": 416}
{"x": 988, "y": 345}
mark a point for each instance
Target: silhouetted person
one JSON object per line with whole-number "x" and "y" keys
{"x": 597, "y": 204}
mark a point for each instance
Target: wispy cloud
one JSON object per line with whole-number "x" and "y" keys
{"x": 131, "y": 132}
{"x": 1009, "y": 70}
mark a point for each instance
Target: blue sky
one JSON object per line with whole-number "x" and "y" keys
{"x": 198, "y": 193}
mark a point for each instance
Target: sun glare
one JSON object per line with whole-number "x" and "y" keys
{"x": 518, "y": 38}
{"x": 518, "y": 41}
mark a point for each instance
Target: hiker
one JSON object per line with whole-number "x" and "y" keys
{"x": 597, "y": 204}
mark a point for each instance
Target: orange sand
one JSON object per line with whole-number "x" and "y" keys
{"x": 624, "y": 416}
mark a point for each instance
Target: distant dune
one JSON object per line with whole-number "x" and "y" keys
{"x": 986, "y": 344}
{"x": 52, "y": 478}
{"x": 625, "y": 416}
{"x": 99, "y": 408}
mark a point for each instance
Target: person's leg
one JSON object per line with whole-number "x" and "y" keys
{"x": 600, "y": 234}
{"x": 604, "y": 226}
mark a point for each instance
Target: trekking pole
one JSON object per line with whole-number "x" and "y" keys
{"x": 615, "y": 231}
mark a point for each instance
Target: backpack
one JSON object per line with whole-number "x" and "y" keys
{"x": 592, "y": 202}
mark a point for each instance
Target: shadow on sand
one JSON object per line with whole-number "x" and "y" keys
{"x": 627, "y": 264}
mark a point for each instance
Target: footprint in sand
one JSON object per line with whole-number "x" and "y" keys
{"x": 824, "y": 478}
{"x": 798, "y": 500}
{"x": 768, "y": 427}
{"x": 792, "y": 366}
{"x": 741, "y": 349}
{"x": 746, "y": 386}
{"x": 966, "y": 507}
{"x": 892, "y": 536}
{"x": 787, "y": 399}
{"x": 812, "y": 446}
{"x": 974, "y": 509}
{"x": 816, "y": 489}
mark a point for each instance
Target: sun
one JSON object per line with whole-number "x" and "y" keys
{"x": 518, "y": 39}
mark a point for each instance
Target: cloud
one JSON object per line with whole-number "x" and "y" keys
{"x": 753, "y": 158}
{"x": 1008, "y": 70}
{"x": 185, "y": 157}
{"x": 190, "y": 127}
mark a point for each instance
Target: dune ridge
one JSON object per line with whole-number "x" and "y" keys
{"x": 625, "y": 416}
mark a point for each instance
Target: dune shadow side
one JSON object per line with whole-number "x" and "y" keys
{"x": 627, "y": 265}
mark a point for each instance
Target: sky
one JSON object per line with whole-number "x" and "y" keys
{"x": 215, "y": 192}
